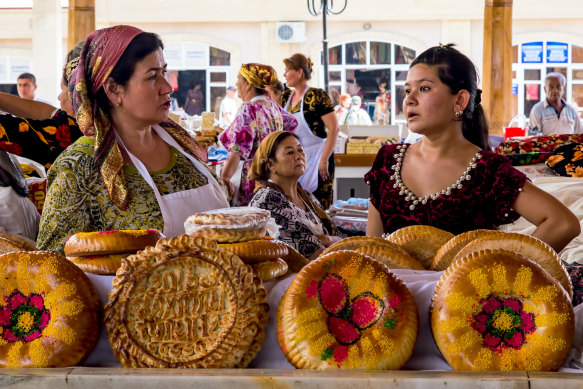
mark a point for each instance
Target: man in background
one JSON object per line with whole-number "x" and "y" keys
{"x": 26, "y": 86}
{"x": 228, "y": 108}
{"x": 554, "y": 115}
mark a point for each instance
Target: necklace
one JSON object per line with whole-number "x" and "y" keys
{"x": 410, "y": 196}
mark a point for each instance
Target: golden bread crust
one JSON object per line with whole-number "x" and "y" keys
{"x": 230, "y": 235}
{"x": 345, "y": 310}
{"x": 254, "y": 251}
{"x": 8, "y": 246}
{"x": 356, "y": 242}
{"x": 99, "y": 264}
{"x": 185, "y": 303}
{"x": 444, "y": 256}
{"x": 497, "y": 310}
{"x": 110, "y": 242}
{"x": 420, "y": 229}
{"x": 422, "y": 245}
{"x": 393, "y": 259}
{"x": 531, "y": 247}
{"x": 49, "y": 312}
{"x": 250, "y": 216}
{"x": 270, "y": 270}
{"x": 23, "y": 243}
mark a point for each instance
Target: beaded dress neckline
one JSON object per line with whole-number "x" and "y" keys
{"x": 410, "y": 196}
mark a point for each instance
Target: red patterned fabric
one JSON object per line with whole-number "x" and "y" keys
{"x": 537, "y": 144}
{"x": 485, "y": 201}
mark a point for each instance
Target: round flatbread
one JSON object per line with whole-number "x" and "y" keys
{"x": 444, "y": 256}
{"x": 497, "y": 310}
{"x": 270, "y": 270}
{"x": 48, "y": 311}
{"x": 345, "y": 310}
{"x": 254, "y": 251}
{"x": 110, "y": 242}
{"x": 186, "y": 303}
{"x": 99, "y": 264}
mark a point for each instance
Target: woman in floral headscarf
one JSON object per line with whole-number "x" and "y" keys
{"x": 134, "y": 169}
{"x": 257, "y": 117}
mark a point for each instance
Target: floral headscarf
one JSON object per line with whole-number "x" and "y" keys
{"x": 101, "y": 51}
{"x": 258, "y": 75}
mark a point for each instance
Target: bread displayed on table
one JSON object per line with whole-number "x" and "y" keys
{"x": 497, "y": 310}
{"x": 229, "y": 225}
{"x": 10, "y": 243}
{"x": 263, "y": 255}
{"x": 388, "y": 253}
{"x": 526, "y": 245}
{"x": 444, "y": 256}
{"x": 101, "y": 252}
{"x": 186, "y": 303}
{"x": 345, "y": 310}
{"x": 49, "y": 311}
{"x": 421, "y": 241}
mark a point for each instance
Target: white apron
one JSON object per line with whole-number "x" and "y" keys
{"x": 313, "y": 146}
{"x": 178, "y": 206}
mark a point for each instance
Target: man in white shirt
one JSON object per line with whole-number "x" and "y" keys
{"x": 26, "y": 86}
{"x": 553, "y": 115}
{"x": 228, "y": 108}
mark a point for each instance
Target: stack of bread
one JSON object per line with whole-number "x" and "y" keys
{"x": 185, "y": 303}
{"x": 242, "y": 231}
{"x": 208, "y": 133}
{"x": 101, "y": 252}
{"x": 503, "y": 302}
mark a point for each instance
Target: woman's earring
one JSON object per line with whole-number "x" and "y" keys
{"x": 458, "y": 114}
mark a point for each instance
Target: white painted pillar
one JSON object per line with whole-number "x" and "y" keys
{"x": 47, "y": 48}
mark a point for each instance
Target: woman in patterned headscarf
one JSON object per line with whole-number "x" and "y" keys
{"x": 36, "y": 130}
{"x": 258, "y": 116}
{"x": 134, "y": 169}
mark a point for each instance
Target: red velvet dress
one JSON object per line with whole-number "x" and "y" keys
{"x": 484, "y": 200}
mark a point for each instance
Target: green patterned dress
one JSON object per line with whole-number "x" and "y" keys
{"x": 77, "y": 200}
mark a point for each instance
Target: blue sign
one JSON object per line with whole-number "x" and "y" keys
{"x": 514, "y": 89}
{"x": 557, "y": 52}
{"x": 532, "y": 52}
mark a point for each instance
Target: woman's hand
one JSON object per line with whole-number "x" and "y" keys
{"x": 230, "y": 188}
{"x": 328, "y": 240}
{"x": 323, "y": 169}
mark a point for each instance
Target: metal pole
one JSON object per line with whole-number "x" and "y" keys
{"x": 325, "y": 45}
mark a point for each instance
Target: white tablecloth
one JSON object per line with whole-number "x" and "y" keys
{"x": 426, "y": 355}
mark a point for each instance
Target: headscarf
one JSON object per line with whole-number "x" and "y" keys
{"x": 258, "y": 75}
{"x": 100, "y": 54}
{"x": 259, "y": 171}
{"x": 260, "y": 174}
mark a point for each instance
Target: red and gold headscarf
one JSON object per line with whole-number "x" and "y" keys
{"x": 100, "y": 53}
{"x": 258, "y": 75}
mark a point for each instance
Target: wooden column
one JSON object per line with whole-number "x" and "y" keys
{"x": 497, "y": 66}
{"x": 81, "y": 21}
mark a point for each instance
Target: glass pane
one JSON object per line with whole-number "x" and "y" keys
{"x": 356, "y": 53}
{"x": 404, "y": 55}
{"x": 563, "y": 71}
{"x": 400, "y": 92}
{"x": 515, "y": 54}
{"x": 9, "y": 88}
{"x": 532, "y": 74}
{"x": 335, "y": 94}
{"x": 190, "y": 94}
{"x": 380, "y": 53}
{"x": 576, "y": 54}
{"x": 218, "y": 76}
{"x": 401, "y": 75}
{"x": 219, "y": 57}
{"x": 531, "y": 97}
{"x": 217, "y": 95}
{"x": 514, "y": 74}
{"x": 335, "y": 55}
{"x": 578, "y": 99}
{"x": 335, "y": 76}
{"x": 577, "y": 74}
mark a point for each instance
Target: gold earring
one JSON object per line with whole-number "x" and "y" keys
{"x": 459, "y": 113}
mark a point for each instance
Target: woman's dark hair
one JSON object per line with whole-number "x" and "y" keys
{"x": 139, "y": 48}
{"x": 280, "y": 139}
{"x": 458, "y": 72}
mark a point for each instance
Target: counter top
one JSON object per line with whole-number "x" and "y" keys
{"x": 344, "y": 160}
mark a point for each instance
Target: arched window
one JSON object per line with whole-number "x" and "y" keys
{"x": 191, "y": 64}
{"x": 376, "y": 71}
{"x": 531, "y": 63}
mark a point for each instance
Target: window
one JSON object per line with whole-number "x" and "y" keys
{"x": 376, "y": 71}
